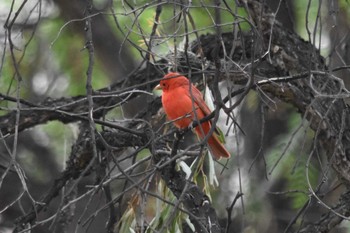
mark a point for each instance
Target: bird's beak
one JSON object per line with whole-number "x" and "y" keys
{"x": 157, "y": 90}
{"x": 158, "y": 87}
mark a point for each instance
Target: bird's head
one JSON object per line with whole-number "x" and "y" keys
{"x": 172, "y": 80}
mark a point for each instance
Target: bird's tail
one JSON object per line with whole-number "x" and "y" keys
{"x": 216, "y": 147}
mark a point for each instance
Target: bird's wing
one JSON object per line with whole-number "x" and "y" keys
{"x": 199, "y": 100}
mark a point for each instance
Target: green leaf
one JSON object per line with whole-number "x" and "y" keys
{"x": 297, "y": 181}
{"x": 127, "y": 221}
{"x": 220, "y": 135}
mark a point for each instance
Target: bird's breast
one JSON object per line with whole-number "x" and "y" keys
{"x": 178, "y": 106}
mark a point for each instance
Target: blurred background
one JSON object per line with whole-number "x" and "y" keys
{"x": 43, "y": 55}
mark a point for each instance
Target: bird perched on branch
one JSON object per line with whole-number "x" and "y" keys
{"x": 183, "y": 103}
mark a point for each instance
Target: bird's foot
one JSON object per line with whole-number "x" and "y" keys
{"x": 193, "y": 124}
{"x": 179, "y": 134}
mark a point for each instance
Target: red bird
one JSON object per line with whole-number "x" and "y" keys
{"x": 179, "y": 103}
